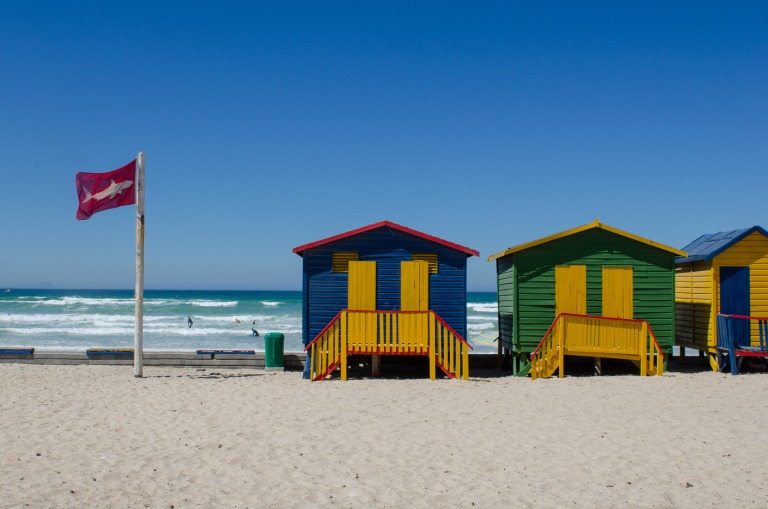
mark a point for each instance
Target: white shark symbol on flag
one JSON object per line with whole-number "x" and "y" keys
{"x": 102, "y": 191}
{"x": 110, "y": 192}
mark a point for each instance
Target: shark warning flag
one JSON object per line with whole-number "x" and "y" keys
{"x": 102, "y": 191}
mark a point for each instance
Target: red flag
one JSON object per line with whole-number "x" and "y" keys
{"x": 102, "y": 191}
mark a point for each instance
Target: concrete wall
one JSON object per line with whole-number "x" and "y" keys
{"x": 292, "y": 361}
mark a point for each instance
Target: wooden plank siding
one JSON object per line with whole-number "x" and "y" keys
{"x": 694, "y": 315}
{"x": 697, "y": 297}
{"x": 505, "y": 288}
{"x": 326, "y": 291}
{"x": 534, "y": 285}
{"x": 752, "y": 252}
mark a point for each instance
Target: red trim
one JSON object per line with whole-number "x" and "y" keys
{"x": 412, "y": 354}
{"x": 635, "y": 320}
{"x": 328, "y": 372}
{"x": 392, "y": 312}
{"x": 323, "y": 331}
{"x": 451, "y": 329}
{"x": 382, "y": 224}
{"x": 545, "y": 336}
{"x": 380, "y": 351}
{"x": 658, "y": 346}
{"x": 333, "y": 366}
{"x": 746, "y": 317}
{"x": 449, "y": 375}
{"x": 748, "y": 353}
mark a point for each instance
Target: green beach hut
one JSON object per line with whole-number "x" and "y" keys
{"x": 593, "y": 269}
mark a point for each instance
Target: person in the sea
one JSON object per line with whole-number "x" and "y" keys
{"x": 255, "y": 332}
{"x": 189, "y": 321}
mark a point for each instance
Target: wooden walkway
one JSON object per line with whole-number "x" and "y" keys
{"x": 421, "y": 333}
{"x": 599, "y": 337}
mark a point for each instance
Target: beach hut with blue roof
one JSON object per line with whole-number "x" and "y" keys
{"x": 724, "y": 272}
{"x": 384, "y": 289}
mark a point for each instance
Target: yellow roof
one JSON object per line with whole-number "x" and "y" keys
{"x": 579, "y": 229}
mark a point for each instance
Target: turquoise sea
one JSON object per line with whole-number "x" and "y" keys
{"x": 80, "y": 319}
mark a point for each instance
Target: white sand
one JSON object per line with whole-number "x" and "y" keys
{"x": 94, "y": 436}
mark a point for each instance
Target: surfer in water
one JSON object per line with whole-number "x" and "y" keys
{"x": 189, "y": 321}
{"x": 255, "y": 332}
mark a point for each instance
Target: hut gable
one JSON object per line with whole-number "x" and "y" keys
{"x": 710, "y": 245}
{"x": 393, "y": 227}
{"x": 590, "y": 226}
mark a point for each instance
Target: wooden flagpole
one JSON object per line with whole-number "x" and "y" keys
{"x": 138, "y": 336}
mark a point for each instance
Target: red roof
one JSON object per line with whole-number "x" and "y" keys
{"x": 381, "y": 224}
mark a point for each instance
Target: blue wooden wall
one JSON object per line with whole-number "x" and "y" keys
{"x": 325, "y": 292}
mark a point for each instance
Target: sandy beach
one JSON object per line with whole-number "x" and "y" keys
{"x": 95, "y": 436}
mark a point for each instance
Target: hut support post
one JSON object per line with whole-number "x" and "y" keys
{"x": 343, "y": 352}
{"x": 644, "y": 349}
{"x": 432, "y": 367}
{"x": 561, "y": 350}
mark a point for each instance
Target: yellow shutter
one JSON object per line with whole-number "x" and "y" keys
{"x": 571, "y": 289}
{"x": 617, "y": 292}
{"x": 430, "y": 258}
{"x": 341, "y": 260}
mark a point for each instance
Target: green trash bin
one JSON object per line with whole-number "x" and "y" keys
{"x": 273, "y": 350}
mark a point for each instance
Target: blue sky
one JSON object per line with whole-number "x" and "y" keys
{"x": 268, "y": 125}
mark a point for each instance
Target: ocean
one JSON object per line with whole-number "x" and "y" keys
{"x": 81, "y": 319}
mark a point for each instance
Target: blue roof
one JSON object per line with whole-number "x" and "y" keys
{"x": 710, "y": 245}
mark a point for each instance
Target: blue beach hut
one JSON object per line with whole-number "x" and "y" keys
{"x": 384, "y": 289}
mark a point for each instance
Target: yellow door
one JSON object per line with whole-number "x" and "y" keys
{"x": 361, "y": 292}
{"x": 571, "y": 289}
{"x": 414, "y": 286}
{"x": 414, "y": 296}
{"x": 617, "y": 292}
{"x": 361, "y": 296}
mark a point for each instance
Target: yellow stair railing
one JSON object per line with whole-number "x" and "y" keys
{"x": 596, "y": 336}
{"x": 388, "y": 333}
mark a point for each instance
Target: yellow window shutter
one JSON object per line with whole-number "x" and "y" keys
{"x": 430, "y": 258}
{"x": 341, "y": 260}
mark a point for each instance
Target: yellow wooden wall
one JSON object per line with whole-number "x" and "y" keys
{"x": 752, "y": 252}
{"x": 694, "y": 316}
{"x": 697, "y": 291}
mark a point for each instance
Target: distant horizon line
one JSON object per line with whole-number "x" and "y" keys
{"x": 171, "y": 289}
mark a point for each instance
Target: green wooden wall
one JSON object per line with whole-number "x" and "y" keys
{"x": 527, "y": 309}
